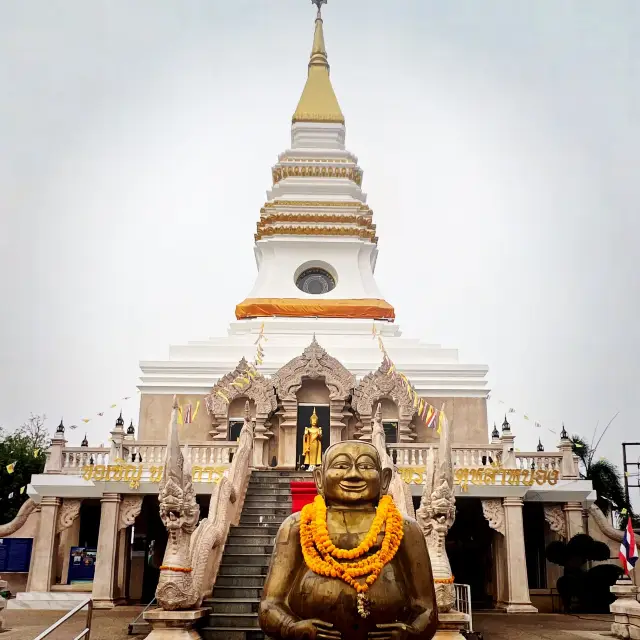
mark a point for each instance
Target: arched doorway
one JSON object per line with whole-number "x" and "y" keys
{"x": 312, "y": 395}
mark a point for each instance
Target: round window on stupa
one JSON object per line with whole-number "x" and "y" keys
{"x": 315, "y": 281}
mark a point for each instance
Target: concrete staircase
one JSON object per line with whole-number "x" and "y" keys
{"x": 247, "y": 554}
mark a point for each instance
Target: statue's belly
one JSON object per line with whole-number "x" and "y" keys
{"x": 332, "y": 600}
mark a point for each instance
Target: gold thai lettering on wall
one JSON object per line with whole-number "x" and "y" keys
{"x": 489, "y": 476}
{"x": 134, "y": 474}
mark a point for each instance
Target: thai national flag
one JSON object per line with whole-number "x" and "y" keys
{"x": 628, "y": 549}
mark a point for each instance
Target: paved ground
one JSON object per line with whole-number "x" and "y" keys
{"x": 496, "y": 626}
{"x": 112, "y": 625}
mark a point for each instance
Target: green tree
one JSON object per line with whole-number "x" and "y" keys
{"x": 25, "y": 449}
{"x": 604, "y": 475}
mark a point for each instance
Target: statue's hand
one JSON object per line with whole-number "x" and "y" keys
{"x": 393, "y": 631}
{"x": 314, "y": 630}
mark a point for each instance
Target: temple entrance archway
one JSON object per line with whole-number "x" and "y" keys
{"x": 312, "y": 368}
{"x": 313, "y": 394}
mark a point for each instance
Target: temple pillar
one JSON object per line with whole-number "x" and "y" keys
{"x": 573, "y": 515}
{"x": 518, "y": 599}
{"x": 336, "y": 418}
{"x": 44, "y": 553}
{"x": 259, "y": 442}
{"x": 404, "y": 430}
{"x": 366, "y": 430}
{"x": 288, "y": 433}
{"x": 104, "y": 578}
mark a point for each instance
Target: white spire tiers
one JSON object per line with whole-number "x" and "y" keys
{"x": 316, "y": 243}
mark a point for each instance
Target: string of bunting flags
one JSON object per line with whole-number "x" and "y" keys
{"x": 431, "y": 416}
{"x": 244, "y": 379}
{"x": 511, "y": 410}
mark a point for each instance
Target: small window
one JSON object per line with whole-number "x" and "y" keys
{"x": 315, "y": 281}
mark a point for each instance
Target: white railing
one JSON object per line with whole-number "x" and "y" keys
{"x": 464, "y": 456}
{"x": 463, "y": 602}
{"x": 74, "y": 458}
{"x": 153, "y": 453}
{"x": 471, "y": 456}
{"x": 539, "y": 460}
{"x": 200, "y": 453}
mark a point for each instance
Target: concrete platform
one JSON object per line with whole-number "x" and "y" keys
{"x": 48, "y": 600}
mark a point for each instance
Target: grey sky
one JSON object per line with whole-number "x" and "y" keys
{"x": 499, "y": 141}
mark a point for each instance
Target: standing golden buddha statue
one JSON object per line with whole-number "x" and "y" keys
{"x": 350, "y": 566}
{"x": 312, "y": 442}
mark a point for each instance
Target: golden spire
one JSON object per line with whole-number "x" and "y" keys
{"x": 318, "y": 102}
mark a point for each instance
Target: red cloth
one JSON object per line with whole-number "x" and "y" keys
{"x": 302, "y": 493}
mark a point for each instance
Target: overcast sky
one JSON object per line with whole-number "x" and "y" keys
{"x": 499, "y": 141}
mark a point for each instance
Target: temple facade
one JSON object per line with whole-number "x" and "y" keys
{"x": 314, "y": 334}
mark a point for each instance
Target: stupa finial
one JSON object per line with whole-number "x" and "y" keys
{"x": 319, "y": 4}
{"x": 318, "y": 102}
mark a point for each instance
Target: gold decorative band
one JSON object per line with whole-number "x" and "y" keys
{"x": 315, "y": 230}
{"x": 353, "y": 218}
{"x": 316, "y": 117}
{"x": 275, "y": 204}
{"x": 350, "y": 173}
{"x": 363, "y": 308}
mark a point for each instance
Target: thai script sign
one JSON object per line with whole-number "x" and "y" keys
{"x": 488, "y": 476}
{"x": 134, "y": 474}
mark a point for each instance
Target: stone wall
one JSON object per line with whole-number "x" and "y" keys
{"x": 155, "y": 410}
{"x": 468, "y": 419}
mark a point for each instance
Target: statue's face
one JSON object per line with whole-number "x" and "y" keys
{"x": 351, "y": 473}
{"x": 314, "y": 419}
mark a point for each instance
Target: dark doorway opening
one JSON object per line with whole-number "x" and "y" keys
{"x": 152, "y": 537}
{"x": 89, "y": 524}
{"x": 390, "y": 432}
{"x": 534, "y": 544}
{"x": 304, "y": 420}
{"x": 469, "y": 546}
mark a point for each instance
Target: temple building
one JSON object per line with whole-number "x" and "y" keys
{"x": 309, "y": 338}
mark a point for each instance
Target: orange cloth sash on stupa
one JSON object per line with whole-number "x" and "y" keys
{"x": 368, "y": 308}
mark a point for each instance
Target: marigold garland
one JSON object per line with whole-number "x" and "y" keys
{"x": 322, "y": 556}
{"x": 180, "y": 569}
{"x": 450, "y": 580}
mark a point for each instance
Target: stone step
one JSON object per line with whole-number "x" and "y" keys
{"x": 227, "y": 593}
{"x": 231, "y": 620}
{"x": 268, "y": 491}
{"x": 266, "y": 549}
{"x": 277, "y": 480}
{"x": 249, "y": 540}
{"x": 256, "y": 581}
{"x": 271, "y": 529}
{"x": 234, "y": 569}
{"x": 283, "y": 474}
{"x": 262, "y": 520}
{"x": 267, "y": 499}
{"x": 256, "y": 559}
{"x": 231, "y": 633}
{"x": 265, "y": 509}
{"x": 232, "y": 605}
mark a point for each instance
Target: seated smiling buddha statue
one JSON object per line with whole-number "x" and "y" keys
{"x": 350, "y": 566}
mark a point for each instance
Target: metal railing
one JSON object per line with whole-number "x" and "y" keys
{"x": 463, "y": 602}
{"x": 84, "y": 634}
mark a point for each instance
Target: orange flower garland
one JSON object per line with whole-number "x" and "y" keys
{"x": 321, "y": 555}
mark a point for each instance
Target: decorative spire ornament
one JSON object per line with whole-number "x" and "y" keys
{"x": 319, "y": 4}
{"x": 505, "y": 425}
{"x": 540, "y": 445}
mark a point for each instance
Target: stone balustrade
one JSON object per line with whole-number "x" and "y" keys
{"x": 73, "y": 459}
{"x": 467, "y": 456}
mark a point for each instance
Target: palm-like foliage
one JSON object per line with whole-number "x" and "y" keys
{"x": 604, "y": 475}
